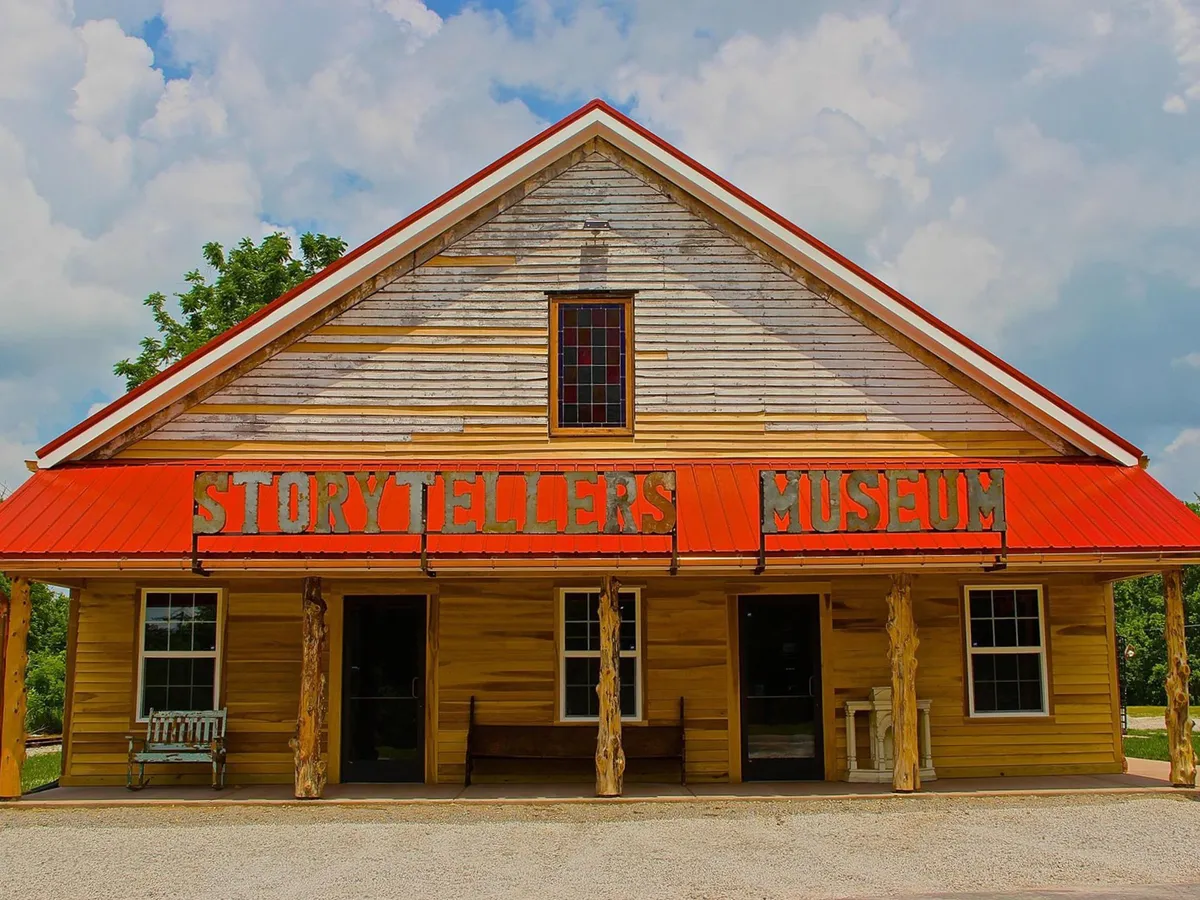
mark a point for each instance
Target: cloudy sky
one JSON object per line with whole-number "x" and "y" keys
{"x": 1030, "y": 171}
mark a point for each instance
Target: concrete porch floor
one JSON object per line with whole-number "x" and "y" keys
{"x": 1144, "y": 776}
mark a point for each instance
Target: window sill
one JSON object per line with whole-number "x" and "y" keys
{"x": 596, "y": 721}
{"x": 558, "y": 431}
{"x": 992, "y": 718}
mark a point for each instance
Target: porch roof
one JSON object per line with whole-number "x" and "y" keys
{"x": 132, "y": 511}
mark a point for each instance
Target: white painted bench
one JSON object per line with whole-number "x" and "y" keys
{"x": 179, "y": 737}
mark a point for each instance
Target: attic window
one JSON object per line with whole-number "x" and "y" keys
{"x": 591, "y": 367}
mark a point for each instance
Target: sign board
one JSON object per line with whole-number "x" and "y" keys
{"x": 821, "y": 501}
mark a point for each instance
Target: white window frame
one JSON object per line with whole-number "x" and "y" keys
{"x": 564, "y": 654}
{"x": 1041, "y": 651}
{"x": 143, "y": 653}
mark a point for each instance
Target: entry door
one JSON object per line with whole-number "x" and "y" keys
{"x": 383, "y": 689}
{"x": 780, "y": 650}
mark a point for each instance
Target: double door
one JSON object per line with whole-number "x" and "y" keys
{"x": 780, "y": 652}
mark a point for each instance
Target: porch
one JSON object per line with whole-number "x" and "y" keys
{"x": 1143, "y": 777}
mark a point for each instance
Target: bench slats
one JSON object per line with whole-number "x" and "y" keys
{"x": 180, "y": 737}
{"x": 572, "y": 742}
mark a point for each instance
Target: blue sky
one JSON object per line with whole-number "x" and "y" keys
{"x": 1028, "y": 171}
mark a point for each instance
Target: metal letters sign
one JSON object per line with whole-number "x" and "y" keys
{"x": 417, "y": 502}
{"x": 834, "y": 501}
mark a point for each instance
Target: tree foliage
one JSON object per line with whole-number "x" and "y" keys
{"x": 247, "y": 278}
{"x": 46, "y": 675}
{"x": 1141, "y": 623}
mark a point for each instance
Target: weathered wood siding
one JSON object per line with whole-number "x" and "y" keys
{"x": 261, "y": 677}
{"x": 1080, "y": 734}
{"x": 733, "y": 356}
{"x": 498, "y": 642}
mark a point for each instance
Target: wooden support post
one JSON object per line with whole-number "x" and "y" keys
{"x": 12, "y": 690}
{"x": 310, "y": 764}
{"x": 610, "y": 755}
{"x": 902, "y": 653}
{"x": 1179, "y": 723}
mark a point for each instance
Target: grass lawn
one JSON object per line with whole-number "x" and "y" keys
{"x": 40, "y": 769}
{"x": 1151, "y": 744}
{"x": 1145, "y": 712}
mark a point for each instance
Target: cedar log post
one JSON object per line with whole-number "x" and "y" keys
{"x": 610, "y": 755}
{"x": 1179, "y": 723}
{"x": 310, "y": 765}
{"x": 902, "y": 653}
{"x": 12, "y": 690}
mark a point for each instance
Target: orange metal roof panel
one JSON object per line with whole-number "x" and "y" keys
{"x": 144, "y": 510}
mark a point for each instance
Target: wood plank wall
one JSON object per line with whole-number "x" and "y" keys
{"x": 1079, "y": 735}
{"x": 733, "y": 356}
{"x": 497, "y": 641}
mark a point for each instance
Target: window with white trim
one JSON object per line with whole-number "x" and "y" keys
{"x": 179, "y": 659}
{"x": 579, "y": 667}
{"x": 1006, "y": 651}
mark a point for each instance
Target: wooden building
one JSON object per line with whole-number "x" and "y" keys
{"x": 594, "y": 430}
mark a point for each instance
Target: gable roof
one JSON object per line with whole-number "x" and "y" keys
{"x": 596, "y": 119}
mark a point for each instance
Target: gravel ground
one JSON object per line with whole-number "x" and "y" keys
{"x": 1142, "y": 722}
{"x": 743, "y": 849}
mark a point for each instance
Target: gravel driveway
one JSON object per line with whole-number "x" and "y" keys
{"x": 672, "y": 850}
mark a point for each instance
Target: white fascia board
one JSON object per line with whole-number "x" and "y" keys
{"x": 327, "y": 290}
{"x": 830, "y": 270}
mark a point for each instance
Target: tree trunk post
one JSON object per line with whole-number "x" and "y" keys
{"x": 12, "y": 690}
{"x": 1179, "y": 723}
{"x": 902, "y": 653}
{"x": 610, "y": 756}
{"x": 310, "y": 765}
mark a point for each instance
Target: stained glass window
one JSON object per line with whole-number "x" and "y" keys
{"x": 591, "y": 365}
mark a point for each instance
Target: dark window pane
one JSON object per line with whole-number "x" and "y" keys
{"x": 1027, "y": 632}
{"x": 179, "y": 636}
{"x": 156, "y": 671}
{"x": 1002, "y": 604}
{"x": 205, "y": 610}
{"x": 1006, "y": 667}
{"x": 1031, "y": 696}
{"x": 981, "y": 605}
{"x": 1005, "y": 633}
{"x": 156, "y": 637}
{"x": 981, "y": 633}
{"x": 1027, "y": 604}
{"x": 628, "y": 672}
{"x": 204, "y": 636}
{"x": 985, "y": 696}
{"x": 576, "y": 636}
{"x": 179, "y": 697}
{"x": 203, "y": 677}
{"x": 985, "y": 667}
{"x": 180, "y": 671}
{"x": 154, "y": 698}
{"x": 157, "y": 607}
{"x": 576, "y": 606}
{"x": 579, "y": 700}
{"x": 1008, "y": 697}
{"x": 1029, "y": 666}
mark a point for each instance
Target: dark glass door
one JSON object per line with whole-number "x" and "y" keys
{"x": 781, "y": 688}
{"x": 383, "y": 689}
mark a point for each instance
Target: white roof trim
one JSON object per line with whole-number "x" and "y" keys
{"x": 596, "y": 122}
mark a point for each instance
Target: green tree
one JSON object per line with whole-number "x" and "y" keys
{"x": 247, "y": 278}
{"x": 1141, "y": 621}
{"x": 46, "y": 674}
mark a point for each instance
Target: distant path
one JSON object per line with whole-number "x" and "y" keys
{"x": 889, "y": 847}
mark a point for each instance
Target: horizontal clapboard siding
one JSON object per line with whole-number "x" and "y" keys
{"x": 724, "y": 340}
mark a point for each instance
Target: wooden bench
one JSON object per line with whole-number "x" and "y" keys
{"x": 179, "y": 737}
{"x": 577, "y": 742}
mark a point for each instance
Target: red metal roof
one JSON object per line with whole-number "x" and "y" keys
{"x": 145, "y": 510}
{"x": 678, "y": 154}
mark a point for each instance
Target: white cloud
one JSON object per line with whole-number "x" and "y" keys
{"x": 1183, "y": 30}
{"x": 1190, "y": 361}
{"x": 1178, "y": 467}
